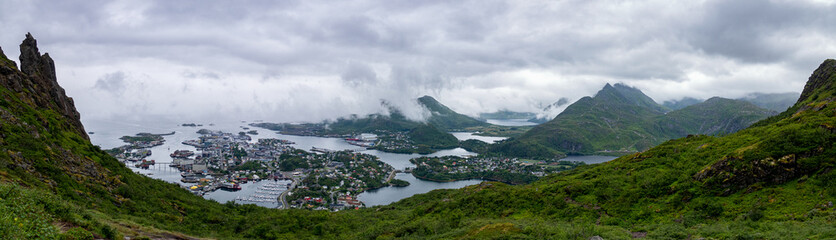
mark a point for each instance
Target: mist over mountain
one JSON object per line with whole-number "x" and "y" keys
{"x": 56, "y": 184}
{"x": 772, "y": 101}
{"x": 621, "y": 119}
{"x": 682, "y": 103}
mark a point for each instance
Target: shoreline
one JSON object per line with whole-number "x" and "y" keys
{"x": 464, "y": 179}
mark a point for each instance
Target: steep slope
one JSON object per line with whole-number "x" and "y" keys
{"x": 445, "y": 118}
{"x": 621, "y": 119}
{"x": 614, "y": 120}
{"x": 550, "y": 111}
{"x": 774, "y": 180}
{"x": 46, "y": 157}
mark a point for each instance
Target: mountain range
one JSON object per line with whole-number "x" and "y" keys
{"x": 621, "y": 119}
{"x": 772, "y": 180}
{"x": 773, "y": 101}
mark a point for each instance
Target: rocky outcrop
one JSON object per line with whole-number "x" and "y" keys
{"x": 821, "y": 79}
{"x": 5, "y": 62}
{"x": 37, "y": 83}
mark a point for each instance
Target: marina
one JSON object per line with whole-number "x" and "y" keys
{"x": 166, "y": 167}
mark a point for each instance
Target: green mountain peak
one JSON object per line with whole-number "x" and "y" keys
{"x": 445, "y": 118}
{"x": 621, "y": 119}
{"x": 821, "y": 83}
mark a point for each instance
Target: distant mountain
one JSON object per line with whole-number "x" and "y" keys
{"x": 682, "y": 103}
{"x": 621, "y": 119}
{"x": 772, "y": 101}
{"x": 715, "y": 116}
{"x": 550, "y": 111}
{"x": 445, "y": 118}
{"x": 430, "y": 135}
{"x": 506, "y": 115}
{"x": 773, "y": 180}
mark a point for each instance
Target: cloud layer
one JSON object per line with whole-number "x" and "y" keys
{"x": 312, "y": 60}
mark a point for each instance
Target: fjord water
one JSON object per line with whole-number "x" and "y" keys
{"x": 511, "y": 122}
{"x": 107, "y": 133}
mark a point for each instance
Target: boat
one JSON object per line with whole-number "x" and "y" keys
{"x": 230, "y": 186}
{"x": 190, "y": 179}
{"x": 181, "y": 154}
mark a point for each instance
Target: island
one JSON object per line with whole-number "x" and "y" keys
{"x": 320, "y": 179}
{"x": 501, "y": 169}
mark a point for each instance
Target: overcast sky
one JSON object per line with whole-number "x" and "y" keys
{"x": 312, "y": 60}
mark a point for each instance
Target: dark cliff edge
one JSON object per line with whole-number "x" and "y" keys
{"x": 37, "y": 79}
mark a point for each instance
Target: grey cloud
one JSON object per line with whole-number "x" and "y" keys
{"x": 339, "y": 56}
{"x": 205, "y": 75}
{"x": 357, "y": 74}
{"x": 753, "y": 30}
{"x": 111, "y": 82}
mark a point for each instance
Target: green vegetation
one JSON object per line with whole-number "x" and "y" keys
{"x": 774, "y": 180}
{"x": 473, "y": 145}
{"x": 621, "y": 120}
{"x": 290, "y": 162}
{"x": 499, "y": 131}
{"x": 507, "y": 170}
{"x": 5, "y": 62}
{"x": 250, "y": 166}
{"x": 142, "y": 137}
{"x": 446, "y": 119}
{"x": 429, "y": 136}
{"x": 398, "y": 183}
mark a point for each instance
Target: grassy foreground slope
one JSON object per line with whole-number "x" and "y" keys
{"x": 774, "y": 180}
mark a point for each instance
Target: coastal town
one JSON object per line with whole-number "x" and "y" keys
{"x": 320, "y": 179}
{"x": 502, "y": 169}
{"x": 378, "y": 139}
{"x": 317, "y": 178}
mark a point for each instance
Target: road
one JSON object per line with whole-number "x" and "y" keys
{"x": 283, "y": 197}
{"x": 391, "y": 176}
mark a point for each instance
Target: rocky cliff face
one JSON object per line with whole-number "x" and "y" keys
{"x": 37, "y": 78}
{"x": 819, "y": 80}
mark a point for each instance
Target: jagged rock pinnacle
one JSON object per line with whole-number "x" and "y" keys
{"x": 32, "y": 62}
{"x": 36, "y": 81}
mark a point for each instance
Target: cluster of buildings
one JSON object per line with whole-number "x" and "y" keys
{"x": 335, "y": 179}
{"x": 453, "y": 166}
{"x": 398, "y": 142}
{"x": 137, "y": 148}
{"x": 324, "y": 179}
{"x": 226, "y": 153}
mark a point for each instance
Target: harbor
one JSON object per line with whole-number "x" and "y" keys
{"x": 186, "y": 138}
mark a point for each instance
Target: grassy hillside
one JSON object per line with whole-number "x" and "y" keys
{"x": 774, "y": 180}
{"x": 445, "y": 118}
{"x": 715, "y": 116}
{"x": 610, "y": 121}
{"x": 621, "y": 119}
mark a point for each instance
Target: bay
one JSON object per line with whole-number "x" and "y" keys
{"x": 511, "y": 122}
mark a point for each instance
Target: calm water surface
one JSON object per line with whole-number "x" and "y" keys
{"x": 511, "y": 122}
{"x": 107, "y": 133}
